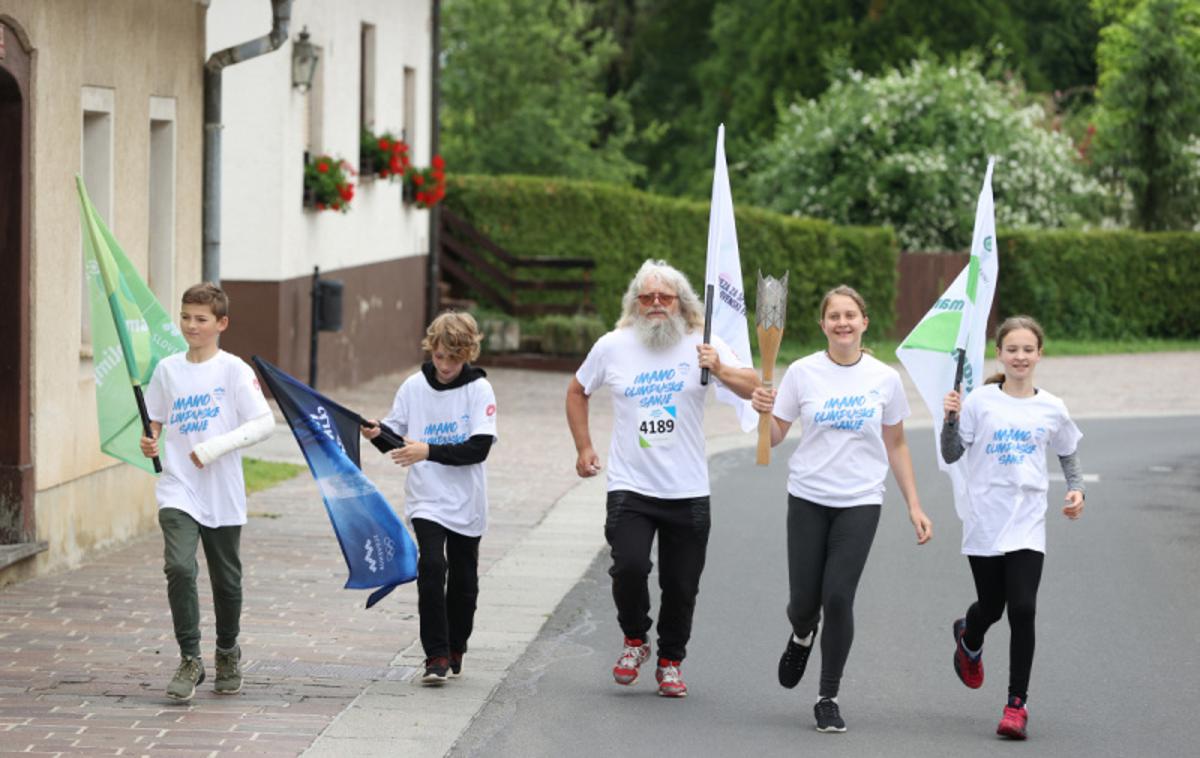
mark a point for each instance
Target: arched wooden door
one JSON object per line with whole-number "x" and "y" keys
{"x": 17, "y": 530}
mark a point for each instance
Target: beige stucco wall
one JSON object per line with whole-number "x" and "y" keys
{"x": 140, "y": 49}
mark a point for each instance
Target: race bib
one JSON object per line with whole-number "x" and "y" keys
{"x": 656, "y": 427}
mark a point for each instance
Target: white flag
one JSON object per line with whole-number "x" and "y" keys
{"x": 958, "y": 320}
{"x": 723, "y": 270}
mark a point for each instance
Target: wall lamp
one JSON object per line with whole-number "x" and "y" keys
{"x": 304, "y": 62}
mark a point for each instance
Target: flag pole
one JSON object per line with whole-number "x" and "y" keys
{"x": 141, "y": 404}
{"x": 958, "y": 377}
{"x": 708, "y": 308}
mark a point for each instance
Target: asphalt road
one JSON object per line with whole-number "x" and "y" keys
{"x": 1117, "y": 669}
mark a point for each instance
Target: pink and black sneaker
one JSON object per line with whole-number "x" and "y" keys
{"x": 633, "y": 655}
{"x": 968, "y": 668}
{"x": 1015, "y": 720}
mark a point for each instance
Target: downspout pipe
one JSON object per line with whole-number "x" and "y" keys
{"x": 281, "y": 16}
{"x": 432, "y": 273}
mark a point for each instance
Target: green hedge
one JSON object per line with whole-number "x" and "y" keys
{"x": 1103, "y": 285}
{"x": 620, "y": 228}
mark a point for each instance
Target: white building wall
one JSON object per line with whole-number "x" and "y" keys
{"x": 266, "y": 234}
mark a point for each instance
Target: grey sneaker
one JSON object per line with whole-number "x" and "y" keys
{"x": 229, "y": 671}
{"x": 187, "y": 676}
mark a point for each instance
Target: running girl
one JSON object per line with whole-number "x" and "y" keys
{"x": 852, "y": 409}
{"x": 1005, "y": 429}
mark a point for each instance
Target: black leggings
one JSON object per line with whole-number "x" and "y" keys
{"x": 827, "y": 550}
{"x": 447, "y": 587}
{"x": 1011, "y": 579}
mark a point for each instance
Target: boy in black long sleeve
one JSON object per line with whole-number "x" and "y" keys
{"x": 446, "y": 414}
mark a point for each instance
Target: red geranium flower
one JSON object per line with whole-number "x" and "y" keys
{"x": 384, "y": 144}
{"x": 323, "y": 167}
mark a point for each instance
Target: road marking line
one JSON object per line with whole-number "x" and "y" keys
{"x": 1089, "y": 478}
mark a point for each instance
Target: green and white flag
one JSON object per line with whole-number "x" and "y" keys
{"x": 131, "y": 333}
{"x": 957, "y": 321}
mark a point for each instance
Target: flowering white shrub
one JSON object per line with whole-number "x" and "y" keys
{"x": 909, "y": 149}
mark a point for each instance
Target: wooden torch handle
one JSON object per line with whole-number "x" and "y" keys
{"x": 768, "y": 347}
{"x": 764, "y": 434}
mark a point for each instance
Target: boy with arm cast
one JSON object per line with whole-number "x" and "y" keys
{"x": 210, "y": 404}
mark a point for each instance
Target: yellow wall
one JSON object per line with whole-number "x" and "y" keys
{"x": 140, "y": 49}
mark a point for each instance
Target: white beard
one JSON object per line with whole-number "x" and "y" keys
{"x": 659, "y": 334}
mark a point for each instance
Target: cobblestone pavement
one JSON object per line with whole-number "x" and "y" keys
{"x": 85, "y": 654}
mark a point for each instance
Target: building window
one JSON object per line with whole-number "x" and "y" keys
{"x": 366, "y": 80}
{"x": 161, "y": 185}
{"x": 314, "y": 125}
{"x": 410, "y": 109}
{"x": 97, "y": 172}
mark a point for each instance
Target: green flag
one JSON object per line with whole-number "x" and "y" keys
{"x": 131, "y": 333}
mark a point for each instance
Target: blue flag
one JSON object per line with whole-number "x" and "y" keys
{"x": 377, "y": 548}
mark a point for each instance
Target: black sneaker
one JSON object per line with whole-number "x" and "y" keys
{"x": 829, "y": 718}
{"x": 436, "y": 669}
{"x": 793, "y": 660}
{"x": 455, "y": 664}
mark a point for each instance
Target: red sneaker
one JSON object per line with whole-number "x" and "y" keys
{"x": 670, "y": 682}
{"x": 969, "y": 670}
{"x": 633, "y": 656}
{"x": 1015, "y": 720}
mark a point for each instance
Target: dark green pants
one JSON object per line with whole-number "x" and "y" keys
{"x": 181, "y": 533}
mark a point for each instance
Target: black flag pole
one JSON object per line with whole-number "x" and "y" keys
{"x": 140, "y": 399}
{"x": 958, "y": 377}
{"x": 708, "y": 306}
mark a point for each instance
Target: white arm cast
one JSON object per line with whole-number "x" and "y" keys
{"x": 254, "y": 430}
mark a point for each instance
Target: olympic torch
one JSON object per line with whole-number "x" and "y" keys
{"x": 771, "y": 315}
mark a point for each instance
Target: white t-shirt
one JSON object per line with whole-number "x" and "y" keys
{"x": 658, "y": 407}
{"x": 195, "y": 402}
{"x": 453, "y": 496}
{"x": 1006, "y": 440}
{"x": 841, "y": 460}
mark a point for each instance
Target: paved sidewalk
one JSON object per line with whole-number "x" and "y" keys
{"x": 85, "y": 654}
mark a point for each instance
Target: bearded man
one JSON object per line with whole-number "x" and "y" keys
{"x": 658, "y": 471}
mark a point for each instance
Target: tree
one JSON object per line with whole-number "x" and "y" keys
{"x": 908, "y": 149}
{"x": 523, "y": 91}
{"x": 1148, "y": 123}
{"x": 697, "y": 63}
{"x": 670, "y": 40}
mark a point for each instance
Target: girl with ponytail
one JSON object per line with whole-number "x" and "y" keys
{"x": 1005, "y": 429}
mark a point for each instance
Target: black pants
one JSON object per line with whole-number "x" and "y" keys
{"x": 1011, "y": 579}
{"x": 447, "y": 587}
{"x": 827, "y": 550}
{"x": 682, "y": 527}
